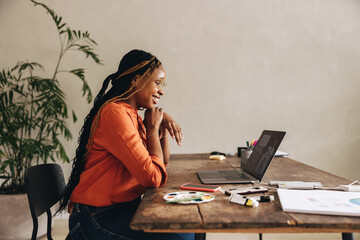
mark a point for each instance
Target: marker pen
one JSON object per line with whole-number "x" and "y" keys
{"x": 250, "y": 202}
{"x": 266, "y": 198}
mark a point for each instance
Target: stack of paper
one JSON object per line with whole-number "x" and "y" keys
{"x": 320, "y": 202}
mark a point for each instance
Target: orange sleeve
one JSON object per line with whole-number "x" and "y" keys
{"x": 122, "y": 139}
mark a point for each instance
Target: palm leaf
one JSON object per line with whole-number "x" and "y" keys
{"x": 52, "y": 13}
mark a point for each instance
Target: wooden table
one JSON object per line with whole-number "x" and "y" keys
{"x": 154, "y": 215}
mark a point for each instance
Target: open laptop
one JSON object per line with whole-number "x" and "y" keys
{"x": 255, "y": 167}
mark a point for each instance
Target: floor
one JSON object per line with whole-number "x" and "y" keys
{"x": 60, "y": 231}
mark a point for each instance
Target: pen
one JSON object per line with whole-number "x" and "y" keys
{"x": 184, "y": 200}
{"x": 252, "y": 145}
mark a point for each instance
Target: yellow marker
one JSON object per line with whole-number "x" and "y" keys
{"x": 246, "y": 201}
{"x": 251, "y": 202}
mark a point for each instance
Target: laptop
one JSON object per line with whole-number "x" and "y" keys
{"x": 255, "y": 167}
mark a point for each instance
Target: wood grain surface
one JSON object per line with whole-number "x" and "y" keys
{"x": 221, "y": 215}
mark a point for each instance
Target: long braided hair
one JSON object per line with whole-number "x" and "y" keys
{"x": 134, "y": 63}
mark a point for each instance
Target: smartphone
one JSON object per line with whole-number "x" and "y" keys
{"x": 200, "y": 187}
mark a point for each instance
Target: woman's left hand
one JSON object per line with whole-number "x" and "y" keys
{"x": 173, "y": 128}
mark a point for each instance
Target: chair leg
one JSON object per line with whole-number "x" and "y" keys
{"x": 347, "y": 236}
{"x": 200, "y": 236}
{"x": 49, "y": 225}
{"x": 35, "y": 228}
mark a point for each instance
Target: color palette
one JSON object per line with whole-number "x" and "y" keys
{"x": 188, "y": 197}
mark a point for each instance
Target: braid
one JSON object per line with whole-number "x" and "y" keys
{"x": 104, "y": 87}
{"x": 136, "y": 62}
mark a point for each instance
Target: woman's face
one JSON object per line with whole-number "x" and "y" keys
{"x": 150, "y": 94}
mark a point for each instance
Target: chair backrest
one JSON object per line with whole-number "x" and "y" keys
{"x": 44, "y": 185}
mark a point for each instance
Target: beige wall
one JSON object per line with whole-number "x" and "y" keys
{"x": 234, "y": 67}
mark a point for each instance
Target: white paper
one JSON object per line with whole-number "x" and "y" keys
{"x": 320, "y": 202}
{"x": 281, "y": 154}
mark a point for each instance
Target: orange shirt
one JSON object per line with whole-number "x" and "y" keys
{"x": 118, "y": 166}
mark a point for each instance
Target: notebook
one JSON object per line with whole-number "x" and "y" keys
{"x": 255, "y": 167}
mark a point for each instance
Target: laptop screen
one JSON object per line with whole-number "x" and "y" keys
{"x": 263, "y": 153}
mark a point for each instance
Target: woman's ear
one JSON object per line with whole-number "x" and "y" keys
{"x": 135, "y": 80}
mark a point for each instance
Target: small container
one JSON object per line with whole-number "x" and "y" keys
{"x": 239, "y": 150}
{"x": 245, "y": 154}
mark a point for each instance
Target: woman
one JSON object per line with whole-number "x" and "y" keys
{"x": 119, "y": 156}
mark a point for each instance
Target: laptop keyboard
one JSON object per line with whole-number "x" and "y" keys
{"x": 233, "y": 175}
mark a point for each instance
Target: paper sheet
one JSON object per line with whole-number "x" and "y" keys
{"x": 320, "y": 202}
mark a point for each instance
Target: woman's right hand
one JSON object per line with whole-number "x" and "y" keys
{"x": 152, "y": 120}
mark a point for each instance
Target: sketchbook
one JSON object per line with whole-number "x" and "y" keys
{"x": 320, "y": 202}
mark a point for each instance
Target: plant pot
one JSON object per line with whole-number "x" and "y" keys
{"x": 16, "y": 222}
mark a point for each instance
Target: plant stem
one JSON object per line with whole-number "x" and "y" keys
{"x": 60, "y": 56}
{"x": 32, "y": 105}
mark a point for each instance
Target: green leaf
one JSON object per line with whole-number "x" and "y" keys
{"x": 56, "y": 19}
{"x": 61, "y": 26}
{"x": 70, "y": 37}
{"x": 80, "y": 73}
{"x": 74, "y": 117}
{"x": 11, "y": 95}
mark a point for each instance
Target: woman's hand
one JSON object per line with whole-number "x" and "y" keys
{"x": 152, "y": 120}
{"x": 169, "y": 124}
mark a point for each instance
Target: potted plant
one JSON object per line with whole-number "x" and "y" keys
{"x": 33, "y": 118}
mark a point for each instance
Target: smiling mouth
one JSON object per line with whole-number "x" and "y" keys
{"x": 155, "y": 99}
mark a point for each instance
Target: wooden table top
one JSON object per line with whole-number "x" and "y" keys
{"x": 220, "y": 215}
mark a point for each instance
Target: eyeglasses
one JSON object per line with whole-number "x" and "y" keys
{"x": 160, "y": 84}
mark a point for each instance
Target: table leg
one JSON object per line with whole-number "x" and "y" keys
{"x": 200, "y": 236}
{"x": 347, "y": 236}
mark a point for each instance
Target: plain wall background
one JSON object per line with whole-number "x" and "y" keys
{"x": 234, "y": 67}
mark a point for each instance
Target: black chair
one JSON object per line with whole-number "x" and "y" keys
{"x": 44, "y": 185}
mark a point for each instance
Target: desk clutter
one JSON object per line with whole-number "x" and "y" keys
{"x": 294, "y": 196}
{"x": 236, "y": 195}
